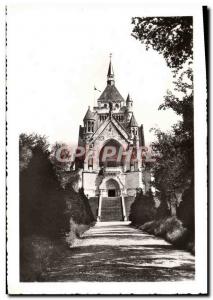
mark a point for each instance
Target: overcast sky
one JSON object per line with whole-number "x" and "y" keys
{"x": 56, "y": 54}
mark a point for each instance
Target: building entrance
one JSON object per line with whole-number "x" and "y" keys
{"x": 112, "y": 193}
{"x": 113, "y": 189}
{"x": 111, "y": 209}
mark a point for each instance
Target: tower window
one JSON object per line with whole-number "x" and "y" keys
{"x": 90, "y": 162}
{"x": 89, "y": 128}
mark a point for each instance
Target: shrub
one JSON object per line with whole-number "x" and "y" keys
{"x": 149, "y": 227}
{"x": 185, "y": 210}
{"x": 143, "y": 208}
{"x": 42, "y": 202}
{"x": 178, "y": 237}
{"x": 191, "y": 247}
{"x": 162, "y": 211}
{"x": 45, "y": 209}
{"x": 173, "y": 231}
{"x": 167, "y": 225}
{"x": 75, "y": 233}
{"x": 36, "y": 256}
{"x": 78, "y": 208}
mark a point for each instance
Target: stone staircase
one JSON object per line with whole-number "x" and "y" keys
{"x": 111, "y": 209}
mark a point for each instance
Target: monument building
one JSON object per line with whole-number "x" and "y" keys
{"x": 111, "y": 171}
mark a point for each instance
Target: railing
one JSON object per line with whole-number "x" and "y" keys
{"x": 113, "y": 169}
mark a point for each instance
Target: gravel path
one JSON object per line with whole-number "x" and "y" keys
{"x": 114, "y": 251}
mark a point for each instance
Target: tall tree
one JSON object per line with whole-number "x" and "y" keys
{"x": 60, "y": 156}
{"x": 42, "y": 204}
{"x": 172, "y": 37}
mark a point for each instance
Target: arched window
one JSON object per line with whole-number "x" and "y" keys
{"x": 116, "y": 159}
{"x": 90, "y": 161}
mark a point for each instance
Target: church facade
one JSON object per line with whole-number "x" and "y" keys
{"x": 112, "y": 168}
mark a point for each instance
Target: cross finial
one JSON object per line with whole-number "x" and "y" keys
{"x": 110, "y": 56}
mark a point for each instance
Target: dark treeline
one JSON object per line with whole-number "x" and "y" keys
{"x": 173, "y": 171}
{"x": 49, "y": 206}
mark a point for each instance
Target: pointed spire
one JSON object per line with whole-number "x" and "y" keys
{"x": 110, "y": 70}
{"x": 89, "y": 115}
{"x": 129, "y": 103}
{"x": 133, "y": 122}
{"x": 128, "y": 99}
{"x": 110, "y": 74}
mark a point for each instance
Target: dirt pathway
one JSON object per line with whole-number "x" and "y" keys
{"x": 114, "y": 251}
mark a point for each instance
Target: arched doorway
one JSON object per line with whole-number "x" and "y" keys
{"x": 111, "y": 208}
{"x": 115, "y": 160}
{"x": 112, "y": 187}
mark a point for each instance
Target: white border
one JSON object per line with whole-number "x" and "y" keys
{"x": 199, "y": 285}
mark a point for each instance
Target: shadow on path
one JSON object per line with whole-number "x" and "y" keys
{"x": 117, "y": 252}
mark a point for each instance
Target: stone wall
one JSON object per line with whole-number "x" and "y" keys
{"x": 133, "y": 181}
{"x": 89, "y": 183}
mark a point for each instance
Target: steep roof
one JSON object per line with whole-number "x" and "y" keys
{"x": 129, "y": 99}
{"x": 116, "y": 124}
{"x": 141, "y": 136}
{"x": 110, "y": 70}
{"x": 111, "y": 94}
{"x": 89, "y": 115}
{"x": 133, "y": 122}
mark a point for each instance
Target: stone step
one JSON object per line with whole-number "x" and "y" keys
{"x": 111, "y": 209}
